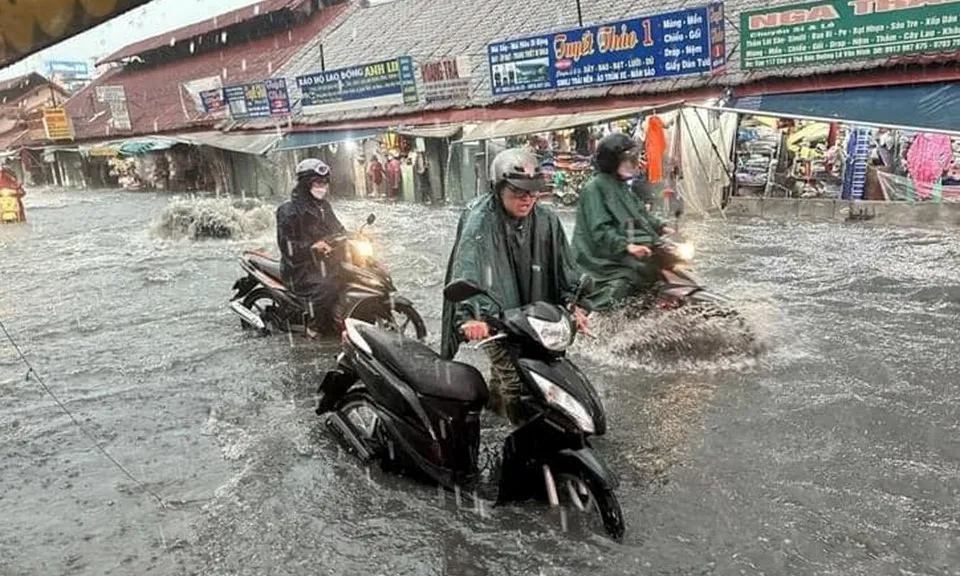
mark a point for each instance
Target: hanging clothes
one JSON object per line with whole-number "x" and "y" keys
{"x": 360, "y": 176}
{"x": 656, "y": 147}
{"x": 927, "y": 159}
{"x": 407, "y": 181}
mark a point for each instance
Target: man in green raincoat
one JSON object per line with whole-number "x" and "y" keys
{"x": 615, "y": 234}
{"x": 517, "y": 250}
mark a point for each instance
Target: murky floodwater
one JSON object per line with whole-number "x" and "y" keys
{"x": 835, "y": 451}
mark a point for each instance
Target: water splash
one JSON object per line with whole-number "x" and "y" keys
{"x": 214, "y": 218}
{"x": 682, "y": 339}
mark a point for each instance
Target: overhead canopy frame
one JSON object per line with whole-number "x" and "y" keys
{"x": 520, "y": 126}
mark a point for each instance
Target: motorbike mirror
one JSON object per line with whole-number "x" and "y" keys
{"x": 460, "y": 290}
{"x": 371, "y": 219}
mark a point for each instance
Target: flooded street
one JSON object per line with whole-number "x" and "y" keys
{"x": 835, "y": 451}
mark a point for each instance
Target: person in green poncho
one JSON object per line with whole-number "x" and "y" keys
{"x": 517, "y": 250}
{"x": 614, "y": 234}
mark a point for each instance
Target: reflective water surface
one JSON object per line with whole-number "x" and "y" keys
{"x": 835, "y": 450}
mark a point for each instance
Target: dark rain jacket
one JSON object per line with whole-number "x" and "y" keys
{"x": 609, "y": 217}
{"x": 301, "y": 222}
{"x": 518, "y": 262}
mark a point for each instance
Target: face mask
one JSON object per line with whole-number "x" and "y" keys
{"x": 318, "y": 191}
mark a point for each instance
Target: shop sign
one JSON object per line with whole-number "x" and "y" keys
{"x": 386, "y": 83}
{"x": 446, "y": 79}
{"x": 278, "y": 95}
{"x": 101, "y": 152}
{"x": 212, "y": 101}
{"x": 56, "y": 124}
{"x": 196, "y": 88}
{"x": 842, "y": 30}
{"x": 111, "y": 93}
{"x": 678, "y": 43}
{"x": 119, "y": 115}
{"x": 247, "y": 101}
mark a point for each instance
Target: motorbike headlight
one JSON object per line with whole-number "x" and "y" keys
{"x": 554, "y": 336}
{"x": 362, "y": 248}
{"x": 685, "y": 251}
{"x": 565, "y": 402}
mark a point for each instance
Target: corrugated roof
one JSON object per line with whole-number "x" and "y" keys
{"x": 157, "y": 103}
{"x": 437, "y": 29}
{"x": 203, "y": 27}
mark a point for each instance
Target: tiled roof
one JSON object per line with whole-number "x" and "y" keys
{"x": 13, "y": 88}
{"x": 203, "y": 27}
{"x": 157, "y": 103}
{"x": 436, "y": 29}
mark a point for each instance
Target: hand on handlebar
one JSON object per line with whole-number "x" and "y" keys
{"x": 639, "y": 251}
{"x": 322, "y": 247}
{"x": 475, "y": 330}
{"x": 583, "y": 325}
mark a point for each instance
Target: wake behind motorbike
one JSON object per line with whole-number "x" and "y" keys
{"x": 676, "y": 284}
{"x": 397, "y": 402}
{"x": 264, "y": 303}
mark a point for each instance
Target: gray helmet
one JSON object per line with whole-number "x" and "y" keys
{"x": 518, "y": 168}
{"x": 311, "y": 168}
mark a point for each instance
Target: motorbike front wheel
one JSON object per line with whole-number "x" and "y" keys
{"x": 581, "y": 492}
{"x": 261, "y": 303}
{"x": 398, "y": 316}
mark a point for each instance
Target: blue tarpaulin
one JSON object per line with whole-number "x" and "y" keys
{"x": 299, "y": 140}
{"x": 934, "y": 106}
{"x": 141, "y": 146}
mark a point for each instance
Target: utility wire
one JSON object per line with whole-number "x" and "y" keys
{"x": 36, "y": 376}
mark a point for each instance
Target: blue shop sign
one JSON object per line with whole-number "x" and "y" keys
{"x": 685, "y": 42}
{"x": 278, "y": 95}
{"x": 385, "y": 83}
{"x": 247, "y": 101}
{"x": 212, "y": 100}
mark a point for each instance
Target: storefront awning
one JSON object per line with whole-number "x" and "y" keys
{"x": 256, "y": 144}
{"x": 300, "y": 140}
{"x": 432, "y": 131}
{"x": 520, "y": 126}
{"x": 934, "y": 107}
{"x": 144, "y": 145}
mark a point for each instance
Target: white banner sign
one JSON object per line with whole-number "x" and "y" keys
{"x": 446, "y": 79}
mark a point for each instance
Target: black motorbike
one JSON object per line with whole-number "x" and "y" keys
{"x": 397, "y": 402}
{"x": 676, "y": 284}
{"x": 265, "y": 304}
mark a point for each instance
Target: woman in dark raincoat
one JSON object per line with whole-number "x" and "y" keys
{"x": 614, "y": 233}
{"x": 307, "y": 263}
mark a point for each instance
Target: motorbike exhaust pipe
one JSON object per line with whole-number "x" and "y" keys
{"x": 247, "y": 314}
{"x": 346, "y": 431}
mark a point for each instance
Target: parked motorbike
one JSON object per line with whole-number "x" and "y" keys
{"x": 397, "y": 402}
{"x": 263, "y": 302}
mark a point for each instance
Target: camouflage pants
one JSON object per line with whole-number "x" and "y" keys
{"x": 505, "y": 384}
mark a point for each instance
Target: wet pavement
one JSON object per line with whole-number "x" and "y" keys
{"x": 835, "y": 451}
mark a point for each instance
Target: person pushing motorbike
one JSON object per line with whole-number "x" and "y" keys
{"x": 308, "y": 262}
{"x": 614, "y": 234}
{"x": 517, "y": 250}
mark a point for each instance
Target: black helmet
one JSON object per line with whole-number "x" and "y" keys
{"x": 312, "y": 169}
{"x": 611, "y": 150}
{"x": 518, "y": 168}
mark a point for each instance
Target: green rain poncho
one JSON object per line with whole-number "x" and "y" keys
{"x": 519, "y": 262}
{"x": 609, "y": 217}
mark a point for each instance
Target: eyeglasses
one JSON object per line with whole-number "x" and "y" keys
{"x": 520, "y": 193}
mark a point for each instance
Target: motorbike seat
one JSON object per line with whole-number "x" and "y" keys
{"x": 266, "y": 264}
{"x": 423, "y": 369}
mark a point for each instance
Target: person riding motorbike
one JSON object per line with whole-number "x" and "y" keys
{"x": 517, "y": 250}
{"x": 309, "y": 264}
{"x": 614, "y": 235}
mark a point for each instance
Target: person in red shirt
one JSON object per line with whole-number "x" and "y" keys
{"x": 376, "y": 176}
{"x": 394, "y": 175}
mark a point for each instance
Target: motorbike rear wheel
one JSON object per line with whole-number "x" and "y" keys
{"x": 262, "y": 303}
{"x": 400, "y": 316}
{"x": 578, "y": 489}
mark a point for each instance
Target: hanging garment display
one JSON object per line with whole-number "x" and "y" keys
{"x": 855, "y": 172}
{"x": 656, "y": 147}
{"x": 360, "y": 176}
{"x": 407, "y": 181}
{"x": 928, "y": 158}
